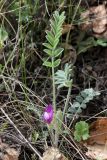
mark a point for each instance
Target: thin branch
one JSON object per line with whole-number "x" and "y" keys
{"x": 26, "y": 141}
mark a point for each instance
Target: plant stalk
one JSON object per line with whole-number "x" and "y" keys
{"x": 66, "y": 105}
{"x": 54, "y": 103}
{"x": 67, "y": 100}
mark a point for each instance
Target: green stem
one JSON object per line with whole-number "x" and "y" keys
{"x": 66, "y": 106}
{"x": 54, "y": 103}
{"x": 51, "y": 134}
{"x": 54, "y": 90}
{"x": 67, "y": 100}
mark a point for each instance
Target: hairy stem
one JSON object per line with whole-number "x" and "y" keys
{"x": 54, "y": 103}
{"x": 54, "y": 90}
{"x": 66, "y": 106}
{"x": 67, "y": 100}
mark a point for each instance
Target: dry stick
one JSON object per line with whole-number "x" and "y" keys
{"x": 74, "y": 145}
{"x": 11, "y": 122}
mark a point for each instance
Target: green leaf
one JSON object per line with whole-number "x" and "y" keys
{"x": 50, "y": 34}
{"x": 48, "y": 51}
{"x": 50, "y": 39}
{"x": 47, "y": 64}
{"x": 53, "y": 26}
{"x": 76, "y": 104}
{"x": 55, "y": 43}
{"x": 48, "y": 45}
{"x": 85, "y": 136}
{"x": 68, "y": 83}
{"x": 34, "y": 136}
{"x": 81, "y": 131}
{"x": 58, "y": 52}
{"x": 59, "y": 32}
{"x": 79, "y": 99}
{"x": 77, "y": 137}
{"x": 57, "y": 62}
{"x": 83, "y": 98}
{"x": 79, "y": 110}
{"x": 83, "y": 106}
{"x": 63, "y": 78}
{"x": 3, "y": 34}
{"x": 1, "y": 67}
{"x": 3, "y": 127}
{"x": 1, "y": 44}
{"x": 83, "y": 46}
{"x": 56, "y": 16}
{"x": 102, "y": 42}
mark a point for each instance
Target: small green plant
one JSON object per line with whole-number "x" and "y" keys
{"x": 53, "y": 52}
{"x": 81, "y": 131}
{"x": 3, "y": 36}
{"x": 28, "y": 9}
{"x": 84, "y": 45}
{"x": 34, "y": 136}
{"x": 63, "y": 77}
{"x": 3, "y": 127}
{"x": 82, "y": 128}
{"x": 82, "y": 99}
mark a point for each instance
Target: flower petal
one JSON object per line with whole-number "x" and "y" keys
{"x": 48, "y": 114}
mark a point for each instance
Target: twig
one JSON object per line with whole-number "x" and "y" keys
{"x": 26, "y": 141}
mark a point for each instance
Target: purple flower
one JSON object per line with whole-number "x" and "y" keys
{"x": 48, "y": 114}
